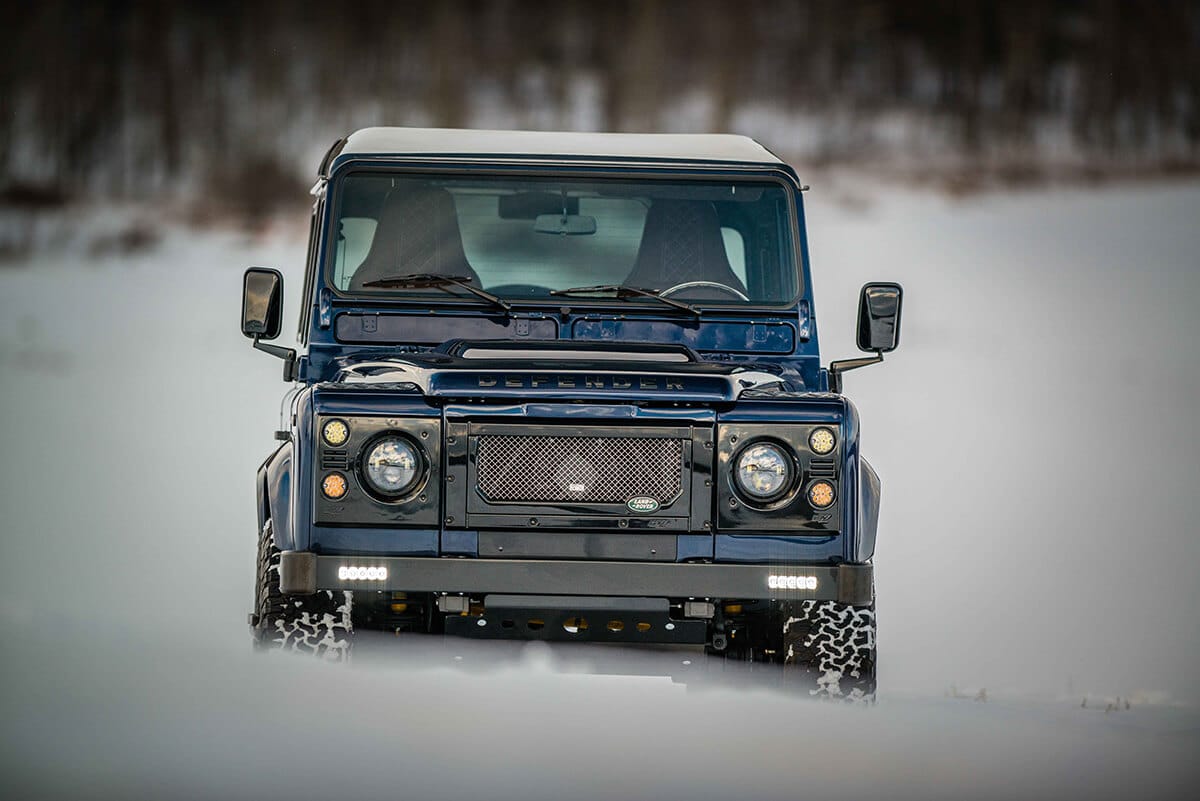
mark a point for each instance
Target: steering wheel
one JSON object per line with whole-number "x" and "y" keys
{"x": 704, "y": 285}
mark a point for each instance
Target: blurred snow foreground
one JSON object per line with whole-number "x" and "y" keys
{"x": 1036, "y": 438}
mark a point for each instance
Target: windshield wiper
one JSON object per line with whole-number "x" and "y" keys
{"x": 433, "y": 280}
{"x": 625, "y": 293}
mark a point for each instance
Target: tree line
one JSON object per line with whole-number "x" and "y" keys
{"x": 135, "y": 99}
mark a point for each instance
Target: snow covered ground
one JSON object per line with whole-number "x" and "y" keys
{"x": 1038, "y": 446}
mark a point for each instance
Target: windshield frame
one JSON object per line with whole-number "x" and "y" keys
{"x": 666, "y": 172}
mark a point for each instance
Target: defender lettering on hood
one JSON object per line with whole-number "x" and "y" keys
{"x": 450, "y": 376}
{"x": 570, "y": 381}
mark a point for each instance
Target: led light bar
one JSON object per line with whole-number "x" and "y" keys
{"x": 354, "y": 573}
{"x": 791, "y": 582}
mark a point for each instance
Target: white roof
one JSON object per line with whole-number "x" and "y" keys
{"x": 529, "y": 144}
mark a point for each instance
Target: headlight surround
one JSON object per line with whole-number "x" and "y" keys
{"x": 392, "y": 466}
{"x": 763, "y": 471}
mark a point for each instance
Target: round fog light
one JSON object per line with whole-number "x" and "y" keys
{"x": 334, "y": 486}
{"x": 821, "y": 440}
{"x": 821, "y": 495}
{"x": 335, "y": 432}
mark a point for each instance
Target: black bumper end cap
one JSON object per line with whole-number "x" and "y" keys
{"x": 856, "y": 584}
{"x": 297, "y": 573}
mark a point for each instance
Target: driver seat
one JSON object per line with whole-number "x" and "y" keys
{"x": 417, "y": 232}
{"x": 682, "y": 242}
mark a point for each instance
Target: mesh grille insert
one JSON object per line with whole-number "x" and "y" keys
{"x": 518, "y": 468}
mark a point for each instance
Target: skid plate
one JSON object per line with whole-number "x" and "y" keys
{"x": 578, "y": 618}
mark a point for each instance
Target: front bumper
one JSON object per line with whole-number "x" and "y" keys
{"x": 303, "y": 573}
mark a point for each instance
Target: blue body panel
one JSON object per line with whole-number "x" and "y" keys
{"x": 390, "y": 542}
{"x": 776, "y": 548}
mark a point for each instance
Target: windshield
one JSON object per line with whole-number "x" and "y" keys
{"x": 528, "y": 238}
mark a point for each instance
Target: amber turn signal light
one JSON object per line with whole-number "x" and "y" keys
{"x": 334, "y": 486}
{"x": 821, "y": 494}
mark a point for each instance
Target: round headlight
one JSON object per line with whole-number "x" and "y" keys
{"x": 821, "y": 440}
{"x": 763, "y": 470}
{"x": 392, "y": 466}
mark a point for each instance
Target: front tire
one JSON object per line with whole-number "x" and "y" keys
{"x": 317, "y": 624}
{"x": 825, "y": 647}
{"x": 832, "y": 647}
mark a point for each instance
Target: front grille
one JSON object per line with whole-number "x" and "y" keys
{"x": 517, "y": 468}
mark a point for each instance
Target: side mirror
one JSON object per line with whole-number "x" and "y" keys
{"x": 262, "y": 314}
{"x": 879, "y": 317}
{"x": 878, "y": 329}
{"x": 262, "y": 303}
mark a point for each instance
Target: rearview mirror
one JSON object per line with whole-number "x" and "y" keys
{"x": 565, "y": 224}
{"x": 879, "y": 317}
{"x": 262, "y": 303}
{"x": 528, "y": 205}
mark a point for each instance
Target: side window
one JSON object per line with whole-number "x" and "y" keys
{"x": 353, "y": 243}
{"x": 735, "y": 249}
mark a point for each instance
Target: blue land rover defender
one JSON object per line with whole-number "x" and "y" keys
{"x": 567, "y": 386}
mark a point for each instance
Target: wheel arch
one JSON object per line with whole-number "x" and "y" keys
{"x": 274, "y": 495}
{"x": 869, "y": 490}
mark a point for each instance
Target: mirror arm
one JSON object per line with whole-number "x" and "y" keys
{"x": 845, "y": 365}
{"x": 287, "y": 354}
